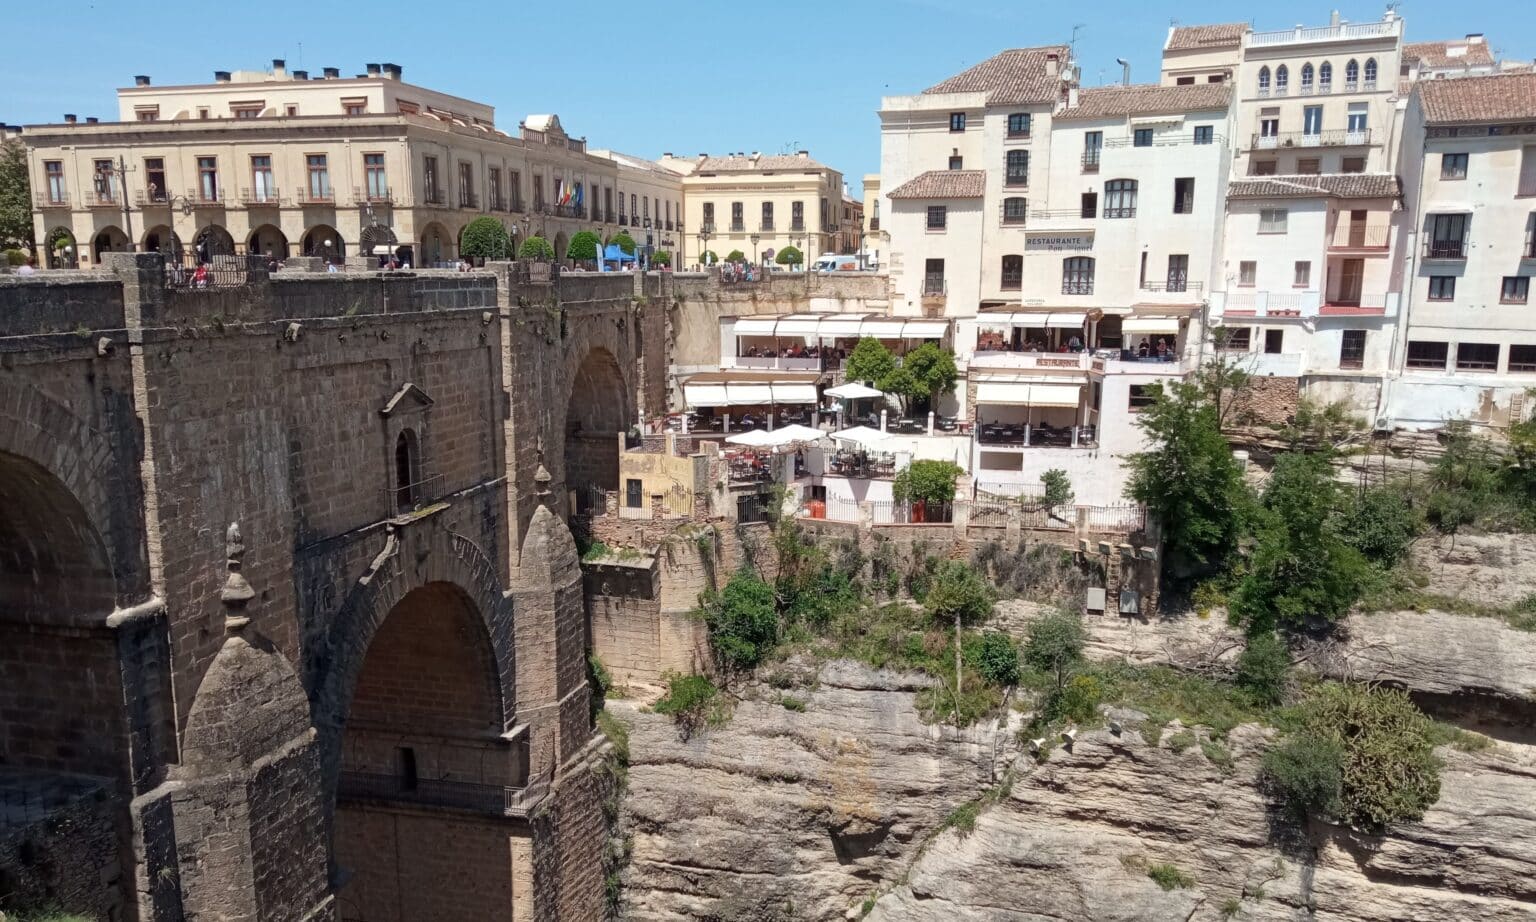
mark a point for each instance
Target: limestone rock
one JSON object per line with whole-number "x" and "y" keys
{"x": 1494, "y": 570}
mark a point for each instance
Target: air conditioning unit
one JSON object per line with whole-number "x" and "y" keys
{"x": 1383, "y": 424}
{"x": 1094, "y": 599}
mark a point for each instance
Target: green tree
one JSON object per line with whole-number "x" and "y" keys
{"x": 624, "y": 242}
{"x": 1301, "y": 568}
{"x": 958, "y": 593}
{"x": 708, "y": 258}
{"x": 1189, "y": 479}
{"x": 1357, "y": 754}
{"x": 743, "y": 620}
{"x": 584, "y": 247}
{"x": 1054, "y": 644}
{"x": 537, "y": 249}
{"x": 661, "y": 258}
{"x": 789, "y": 256}
{"x": 1380, "y": 522}
{"x": 1463, "y": 483}
{"x": 927, "y": 372}
{"x": 485, "y": 238}
{"x": 15, "y": 197}
{"x": 996, "y": 658}
{"x": 1263, "y": 666}
{"x": 735, "y": 256}
{"x": 926, "y": 481}
{"x": 869, "y": 362}
{"x": 1058, "y": 490}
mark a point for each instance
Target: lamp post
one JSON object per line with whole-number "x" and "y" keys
{"x": 703, "y": 247}
{"x": 754, "y": 256}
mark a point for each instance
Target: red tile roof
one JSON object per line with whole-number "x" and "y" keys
{"x": 1330, "y": 185}
{"x": 1011, "y": 77}
{"x": 1463, "y": 100}
{"x": 943, "y": 184}
{"x": 747, "y": 164}
{"x": 1225, "y": 35}
{"x": 1146, "y": 99}
{"x": 1438, "y": 54}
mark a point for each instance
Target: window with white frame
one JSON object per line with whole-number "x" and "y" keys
{"x": 1273, "y": 220}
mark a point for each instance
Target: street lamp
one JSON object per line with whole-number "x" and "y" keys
{"x": 755, "y": 256}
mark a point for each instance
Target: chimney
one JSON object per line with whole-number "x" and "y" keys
{"x": 703, "y": 154}
{"x": 301, "y": 75}
{"x": 1474, "y": 38}
{"x": 803, "y": 153}
{"x": 221, "y": 76}
{"x": 666, "y": 155}
{"x": 1052, "y": 64}
{"x": 141, "y": 80}
{"x": 69, "y": 118}
{"x": 1072, "y": 96}
{"x": 373, "y": 70}
{"x": 332, "y": 73}
{"x": 1333, "y": 19}
{"x": 92, "y": 120}
{"x": 392, "y": 71}
{"x": 279, "y": 69}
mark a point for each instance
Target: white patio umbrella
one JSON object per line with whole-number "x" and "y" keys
{"x": 789, "y": 435}
{"x": 853, "y": 390}
{"x": 862, "y": 436}
{"x": 753, "y": 438}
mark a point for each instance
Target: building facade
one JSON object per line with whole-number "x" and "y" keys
{"x": 650, "y": 204}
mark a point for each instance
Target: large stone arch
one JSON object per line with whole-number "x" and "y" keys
{"x": 597, "y": 410}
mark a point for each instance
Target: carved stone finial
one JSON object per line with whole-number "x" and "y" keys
{"x": 542, "y": 480}
{"x": 237, "y": 593}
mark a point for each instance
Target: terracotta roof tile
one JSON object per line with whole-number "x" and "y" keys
{"x": 1495, "y": 98}
{"x": 1225, "y": 35}
{"x": 1147, "y": 99}
{"x": 943, "y": 184}
{"x": 1333, "y": 185}
{"x": 1011, "y": 77}
{"x": 1438, "y": 54}
{"x": 747, "y": 164}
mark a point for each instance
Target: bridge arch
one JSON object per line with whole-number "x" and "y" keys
{"x": 597, "y": 412}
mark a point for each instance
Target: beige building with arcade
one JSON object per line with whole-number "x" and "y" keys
{"x": 276, "y": 162}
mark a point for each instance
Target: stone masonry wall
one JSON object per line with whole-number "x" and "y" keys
{"x": 70, "y": 858}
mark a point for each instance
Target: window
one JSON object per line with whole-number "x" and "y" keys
{"x": 938, "y": 217}
{"x": 1477, "y": 356}
{"x": 378, "y": 183}
{"x": 709, "y": 212}
{"x": 103, "y": 180}
{"x": 797, "y": 216}
{"x": 1264, "y": 81}
{"x": 1120, "y": 198}
{"x": 1442, "y": 288}
{"x": 933, "y": 277}
{"x": 1184, "y": 195}
{"x": 1325, "y": 78}
{"x": 147, "y": 113}
{"x": 1141, "y": 277}
{"x": 767, "y": 215}
{"x": 1352, "y": 165}
{"x": 634, "y": 207}
{"x": 1077, "y": 275}
{"x": 1453, "y": 166}
{"x": 1142, "y": 137}
{"x": 1233, "y": 339}
{"x": 246, "y": 111}
{"x": 1216, "y": 78}
{"x": 1312, "y": 121}
{"x": 1247, "y": 273}
{"x": 1273, "y": 220}
{"x": 492, "y": 186}
{"x": 430, "y": 188}
{"x": 1185, "y": 81}
{"x": 203, "y": 113}
{"x": 634, "y": 493}
{"x": 1306, "y": 78}
{"x": 319, "y": 178}
{"x": 1527, "y": 171}
{"x": 1282, "y": 80}
{"x": 1018, "y": 125}
{"x": 1013, "y": 272}
{"x": 957, "y": 121}
{"x": 738, "y": 222}
{"x": 1018, "y": 168}
{"x": 1274, "y": 340}
{"x": 154, "y": 178}
{"x": 290, "y": 110}
{"x": 1090, "y": 207}
{"x": 1178, "y": 272}
{"x": 1352, "y": 349}
{"x": 1351, "y": 75}
{"x": 1014, "y": 209}
{"x": 208, "y": 178}
{"x": 1426, "y": 354}
{"x": 1515, "y": 290}
{"x": 1140, "y": 397}
{"x": 1309, "y": 166}
{"x": 1262, "y": 168}
{"x": 1269, "y": 127}
{"x": 1370, "y": 73}
{"x": 1303, "y": 276}
{"x": 1093, "y": 145}
{"x": 263, "y": 189}
{"x": 407, "y": 470}
{"x": 1359, "y": 112}
{"x": 1522, "y": 358}
{"x": 1447, "y": 236}
{"x": 54, "y": 171}
{"x": 957, "y": 163}
{"x": 1204, "y": 134}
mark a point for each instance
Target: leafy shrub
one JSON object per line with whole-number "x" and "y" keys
{"x": 958, "y": 592}
{"x": 1169, "y": 877}
{"x": 537, "y": 249}
{"x": 1055, "y": 643}
{"x": 1077, "y": 701}
{"x": 661, "y": 258}
{"x": 789, "y": 256}
{"x": 792, "y": 704}
{"x": 1182, "y": 741}
{"x": 1379, "y": 522}
{"x": 617, "y": 733}
{"x": 599, "y": 680}
{"x": 484, "y": 237}
{"x": 14, "y": 257}
{"x": 1262, "y": 667}
{"x": 735, "y": 256}
{"x": 927, "y": 481}
{"x": 1359, "y": 755}
{"x": 1058, "y": 488}
{"x": 995, "y": 657}
{"x": 584, "y": 246}
{"x": 1216, "y": 754}
{"x": 624, "y": 242}
{"x": 708, "y": 258}
{"x": 692, "y": 701}
{"x": 963, "y": 818}
{"x": 743, "y": 622}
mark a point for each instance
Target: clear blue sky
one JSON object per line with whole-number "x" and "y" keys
{"x": 644, "y": 77}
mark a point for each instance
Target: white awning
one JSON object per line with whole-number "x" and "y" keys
{"x": 1002, "y": 393}
{"x": 797, "y": 327}
{"x": 750, "y": 394}
{"x": 841, "y": 327}
{"x": 1172, "y": 118}
{"x": 1054, "y": 395}
{"x": 758, "y": 438}
{"x": 861, "y": 435}
{"x": 794, "y": 393}
{"x": 882, "y": 329}
{"x": 1169, "y": 325}
{"x": 924, "y": 329}
{"x": 705, "y": 395}
{"x": 853, "y": 390}
{"x": 1063, "y": 320}
{"x": 1066, "y": 320}
{"x": 756, "y": 326}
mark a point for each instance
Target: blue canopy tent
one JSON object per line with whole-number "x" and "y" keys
{"x": 613, "y": 254}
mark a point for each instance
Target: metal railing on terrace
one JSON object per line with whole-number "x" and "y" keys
{"x": 1338, "y": 137}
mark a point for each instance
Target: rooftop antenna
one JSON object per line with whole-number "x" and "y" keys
{"x": 1075, "y": 29}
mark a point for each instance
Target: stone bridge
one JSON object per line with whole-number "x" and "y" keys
{"x": 285, "y": 581}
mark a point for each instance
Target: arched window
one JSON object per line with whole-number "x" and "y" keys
{"x": 407, "y": 471}
{"x": 1306, "y": 77}
{"x": 1282, "y": 79}
{"x": 1351, "y": 74}
{"x": 1077, "y": 275}
{"x": 1264, "y": 81}
{"x": 1120, "y": 198}
{"x": 1013, "y": 272}
{"x": 1370, "y": 73}
{"x": 1018, "y": 168}
{"x": 1325, "y": 77}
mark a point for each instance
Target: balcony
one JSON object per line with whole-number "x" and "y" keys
{"x": 210, "y": 198}
{"x": 1016, "y": 180}
{"x": 312, "y": 196}
{"x": 765, "y": 228}
{"x": 485, "y": 799}
{"x": 708, "y": 227}
{"x": 259, "y": 198}
{"x": 1340, "y": 137}
{"x": 100, "y": 198}
{"x": 1077, "y": 287}
{"x": 1007, "y": 359}
{"x": 797, "y": 227}
{"x": 608, "y": 216}
{"x": 669, "y": 225}
{"x": 568, "y": 211}
{"x": 1091, "y": 161}
{"x": 874, "y": 224}
{"x": 1445, "y": 249}
{"x": 1173, "y": 290}
{"x": 468, "y": 199}
{"x": 434, "y": 197}
{"x": 1354, "y": 303}
{"x": 935, "y": 287}
{"x": 623, "y": 220}
{"x": 495, "y": 203}
{"x": 373, "y": 196}
{"x": 1020, "y": 135}
{"x": 1272, "y": 303}
{"x": 738, "y": 227}
{"x": 1343, "y": 32}
{"x": 1074, "y": 215}
{"x": 1348, "y": 237}
{"x": 55, "y": 200}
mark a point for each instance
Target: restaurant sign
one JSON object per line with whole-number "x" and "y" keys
{"x": 1059, "y": 242}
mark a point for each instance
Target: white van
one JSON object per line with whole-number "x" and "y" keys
{"x": 831, "y": 262}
